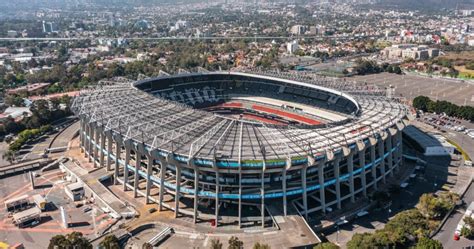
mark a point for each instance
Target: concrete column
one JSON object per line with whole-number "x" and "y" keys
{"x": 178, "y": 190}
{"x": 81, "y": 135}
{"x": 118, "y": 151}
{"x": 240, "y": 197}
{"x": 283, "y": 183}
{"x": 125, "y": 168}
{"x": 96, "y": 149}
{"x": 91, "y": 146}
{"x": 350, "y": 168}
{"x": 138, "y": 160}
{"x": 338, "y": 181}
{"x": 109, "y": 151}
{"x": 305, "y": 194}
{"x": 374, "y": 167}
{"x": 262, "y": 192}
{"x": 149, "y": 171}
{"x": 363, "y": 176}
{"x": 382, "y": 159}
{"x": 322, "y": 196}
{"x": 399, "y": 150}
{"x": 217, "y": 197}
{"x": 390, "y": 154}
{"x": 87, "y": 141}
{"x": 196, "y": 192}
{"x": 102, "y": 147}
{"x": 164, "y": 165}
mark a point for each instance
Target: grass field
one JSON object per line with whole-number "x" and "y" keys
{"x": 464, "y": 73}
{"x": 462, "y": 56}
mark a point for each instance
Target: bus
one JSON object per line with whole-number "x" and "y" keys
{"x": 17, "y": 204}
{"x": 55, "y": 149}
{"x": 28, "y": 217}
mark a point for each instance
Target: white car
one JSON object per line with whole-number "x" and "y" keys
{"x": 362, "y": 213}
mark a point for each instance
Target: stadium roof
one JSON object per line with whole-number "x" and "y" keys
{"x": 171, "y": 127}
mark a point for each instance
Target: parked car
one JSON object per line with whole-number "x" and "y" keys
{"x": 456, "y": 236}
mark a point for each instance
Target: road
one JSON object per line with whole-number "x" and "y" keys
{"x": 445, "y": 235}
{"x": 36, "y": 149}
{"x": 447, "y": 231}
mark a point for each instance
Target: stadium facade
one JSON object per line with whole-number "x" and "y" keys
{"x": 226, "y": 145}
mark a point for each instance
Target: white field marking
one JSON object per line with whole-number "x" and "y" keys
{"x": 270, "y": 233}
{"x": 206, "y": 241}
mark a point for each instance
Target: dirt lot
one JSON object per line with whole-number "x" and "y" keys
{"x": 51, "y": 186}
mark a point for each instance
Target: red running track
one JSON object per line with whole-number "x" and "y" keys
{"x": 232, "y": 104}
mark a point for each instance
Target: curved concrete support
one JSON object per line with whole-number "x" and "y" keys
{"x": 317, "y": 176}
{"x": 372, "y": 141}
{"x": 360, "y": 145}
{"x": 346, "y": 151}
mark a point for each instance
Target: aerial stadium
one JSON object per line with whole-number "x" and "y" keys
{"x": 237, "y": 147}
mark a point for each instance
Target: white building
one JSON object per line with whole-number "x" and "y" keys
{"x": 180, "y": 24}
{"x": 292, "y": 46}
{"x": 12, "y": 33}
{"x": 298, "y": 30}
{"x": 405, "y": 51}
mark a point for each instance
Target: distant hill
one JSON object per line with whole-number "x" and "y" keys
{"x": 426, "y": 4}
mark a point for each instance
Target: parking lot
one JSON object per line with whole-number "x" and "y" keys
{"x": 51, "y": 186}
{"x": 411, "y": 86}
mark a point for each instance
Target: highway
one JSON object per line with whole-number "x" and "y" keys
{"x": 445, "y": 235}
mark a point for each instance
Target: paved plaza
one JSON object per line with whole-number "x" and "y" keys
{"x": 410, "y": 86}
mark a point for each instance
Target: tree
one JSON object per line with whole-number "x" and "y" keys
{"x": 397, "y": 69}
{"x": 14, "y": 100}
{"x": 364, "y": 67}
{"x": 9, "y": 156}
{"x": 362, "y": 241}
{"x": 260, "y": 246}
{"x": 431, "y": 206}
{"x": 469, "y": 225}
{"x": 427, "y": 243}
{"x": 235, "y": 243}
{"x": 110, "y": 242}
{"x": 71, "y": 240}
{"x": 381, "y": 197}
{"x": 326, "y": 245}
{"x": 425, "y": 104}
{"x": 470, "y": 65}
{"x": 216, "y": 244}
{"x": 59, "y": 241}
{"x": 147, "y": 246}
{"x": 408, "y": 223}
{"x": 421, "y": 103}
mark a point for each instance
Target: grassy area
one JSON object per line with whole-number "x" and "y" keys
{"x": 462, "y": 56}
{"x": 465, "y": 73}
{"x": 330, "y": 73}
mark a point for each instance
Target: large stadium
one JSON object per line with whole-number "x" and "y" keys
{"x": 238, "y": 147}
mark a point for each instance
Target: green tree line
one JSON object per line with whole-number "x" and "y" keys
{"x": 425, "y": 104}
{"x": 410, "y": 228}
